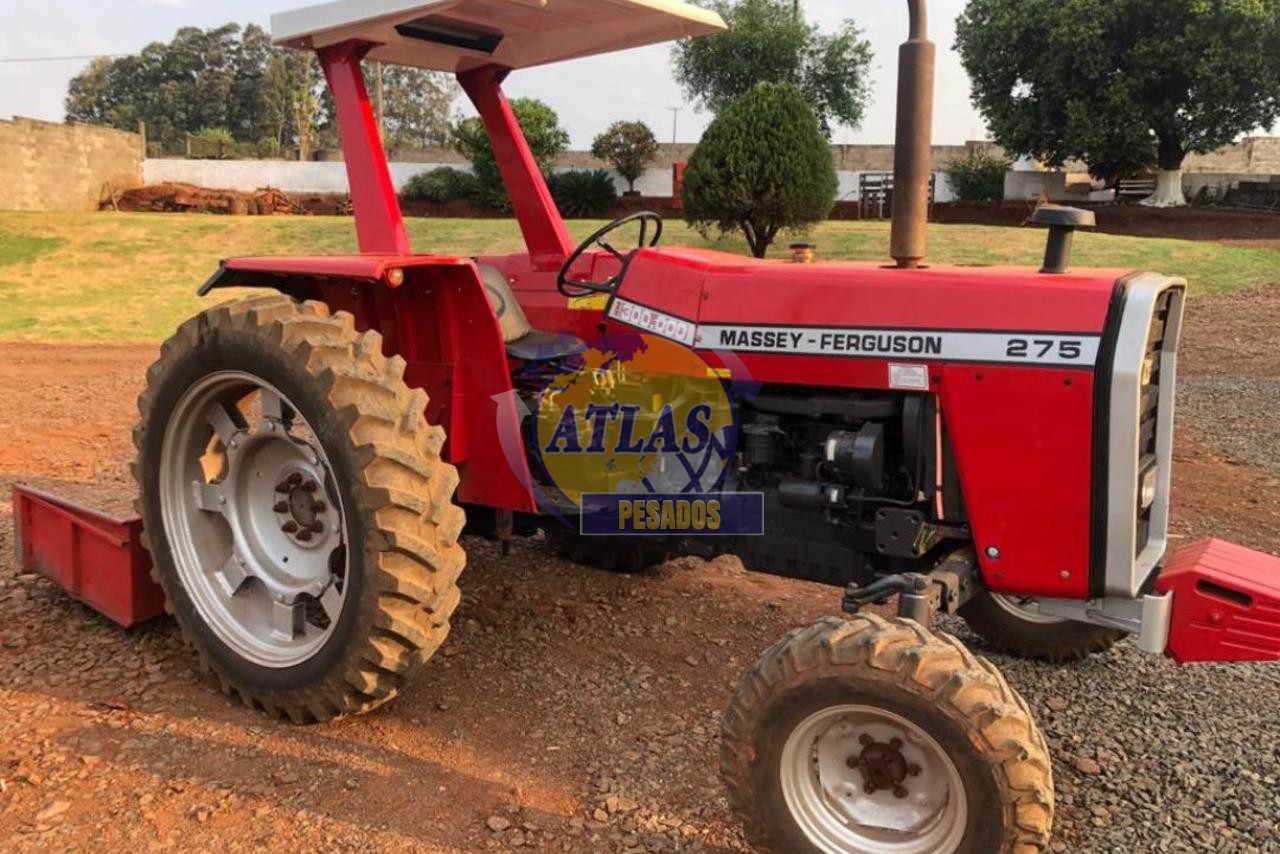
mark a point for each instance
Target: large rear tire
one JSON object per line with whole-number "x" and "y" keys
{"x": 879, "y": 736}
{"x": 1016, "y": 627}
{"x": 298, "y": 513}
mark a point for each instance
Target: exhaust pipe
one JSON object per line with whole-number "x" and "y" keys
{"x": 913, "y": 146}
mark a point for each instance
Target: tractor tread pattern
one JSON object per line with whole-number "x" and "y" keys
{"x": 403, "y": 497}
{"x": 935, "y": 666}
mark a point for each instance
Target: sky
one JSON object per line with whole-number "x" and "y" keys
{"x": 588, "y": 94}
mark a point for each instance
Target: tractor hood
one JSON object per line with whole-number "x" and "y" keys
{"x": 717, "y": 289}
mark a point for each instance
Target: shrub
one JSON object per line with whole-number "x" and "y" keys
{"x": 629, "y": 147}
{"x": 268, "y": 147}
{"x": 584, "y": 193}
{"x": 442, "y": 184}
{"x": 213, "y": 144}
{"x": 978, "y": 176}
{"x": 541, "y": 128}
{"x": 763, "y": 165}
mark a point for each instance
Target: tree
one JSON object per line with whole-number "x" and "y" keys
{"x": 769, "y": 41}
{"x": 1114, "y": 81}
{"x": 763, "y": 165}
{"x": 415, "y": 111}
{"x": 542, "y": 130}
{"x": 247, "y": 117}
{"x": 219, "y": 78}
{"x": 291, "y": 101}
{"x": 629, "y": 147}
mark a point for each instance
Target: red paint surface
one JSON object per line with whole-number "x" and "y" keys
{"x": 97, "y": 559}
{"x": 1226, "y": 603}
{"x": 379, "y": 223}
{"x": 545, "y": 235}
{"x": 363, "y": 267}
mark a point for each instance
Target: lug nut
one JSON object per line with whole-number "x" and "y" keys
{"x": 282, "y": 486}
{"x": 294, "y": 479}
{"x": 913, "y": 770}
{"x": 281, "y": 507}
{"x": 319, "y": 507}
{"x": 851, "y": 762}
{"x": 317, "y": 526}
{"x": 289, "y": 527}
{"x": 304, "y": 535}
{"x": 899, "y": 792}
{"x": 310, "y": 486}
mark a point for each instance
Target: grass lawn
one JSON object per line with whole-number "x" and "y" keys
{"x": 132, "y": 277}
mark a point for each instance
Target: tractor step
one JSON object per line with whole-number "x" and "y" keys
{"x": 98, "y": 559}
{"x": 1226, "y": 603}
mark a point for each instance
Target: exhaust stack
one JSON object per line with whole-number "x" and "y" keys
{"x": 913, "y": 146}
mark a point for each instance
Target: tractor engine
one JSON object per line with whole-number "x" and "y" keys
{"x": 856, "y": 485}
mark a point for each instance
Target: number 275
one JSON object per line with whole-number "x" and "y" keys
{"x": 1042, "y": 348}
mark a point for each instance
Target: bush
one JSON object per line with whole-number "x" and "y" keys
{"x": 978, "y": 176}
{"x": 541, "y": 128}
{"x": 442, "y": 184}
{"x": 213, "y": 144}
{"x": 763, "y": 165}
{"x": 628, "y": 147}
{"x": 268, "y": 147}
{"x": 584, "y": 193}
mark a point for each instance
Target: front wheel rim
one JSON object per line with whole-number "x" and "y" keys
{"x": 863, "y": 779}
{"x": 254, "y": 521}
{"x": 1025, "y": 608}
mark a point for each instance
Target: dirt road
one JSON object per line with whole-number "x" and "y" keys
{"x": 570, "y": 710}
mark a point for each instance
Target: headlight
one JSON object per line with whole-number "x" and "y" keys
{"x": 1147, "y": 487}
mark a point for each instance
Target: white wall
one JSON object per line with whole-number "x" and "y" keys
{"x": 331, "y": 177}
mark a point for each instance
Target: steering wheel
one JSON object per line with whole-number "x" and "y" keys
{"x": 571, "y": 287}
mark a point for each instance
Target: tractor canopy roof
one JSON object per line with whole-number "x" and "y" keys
{"x": 456, "y": 35}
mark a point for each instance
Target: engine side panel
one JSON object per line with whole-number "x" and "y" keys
{"x": 1022, "y": 445}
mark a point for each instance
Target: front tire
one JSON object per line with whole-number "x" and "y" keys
{"x": 1015, "y": 626}
{"x": 874, "y": 735}
{"x": 297, "y": 510}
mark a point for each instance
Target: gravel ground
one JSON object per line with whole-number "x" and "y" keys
{"x": 573, "y": 710}
{"x": 1234, "y": 416}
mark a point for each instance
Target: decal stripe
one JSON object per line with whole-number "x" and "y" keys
{"x": 650, "y": 320}
{"x": 1013, "y": 347}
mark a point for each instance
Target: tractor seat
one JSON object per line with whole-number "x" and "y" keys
{"x": 523, "y": 341}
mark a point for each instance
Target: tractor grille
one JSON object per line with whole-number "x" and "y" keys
{"x": 1149, "y": 413}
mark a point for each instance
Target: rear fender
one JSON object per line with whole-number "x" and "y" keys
{"x": 441, "y": 322}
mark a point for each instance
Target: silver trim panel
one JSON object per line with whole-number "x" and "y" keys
{"x": 1125, "y": 574}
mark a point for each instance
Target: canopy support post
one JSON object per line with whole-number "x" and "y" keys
{"x": 380, "y": 228}
{"x": 544, "y": 231}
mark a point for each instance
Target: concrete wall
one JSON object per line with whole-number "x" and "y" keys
{"x": 331, "y": 177}
{"x": 848, "y": 158}
{"x": 59, "y": 167}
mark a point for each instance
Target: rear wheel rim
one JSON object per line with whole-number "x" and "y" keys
{"x": 254, "y": 522}
{"x": 1025, "y": 608}
{"x": 864, "y": 779}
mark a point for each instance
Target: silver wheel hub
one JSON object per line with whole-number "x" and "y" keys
{"x": 863, "y": 779}
{"x": 1025, "y": 608}
{"x": 251, "y": 513}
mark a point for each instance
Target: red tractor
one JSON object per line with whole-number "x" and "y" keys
{"x": 992, "y": 443}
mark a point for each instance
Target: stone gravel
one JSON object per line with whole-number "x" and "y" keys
{"x": 1235, "y": 416}
{"x": 1149, "y": 756}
